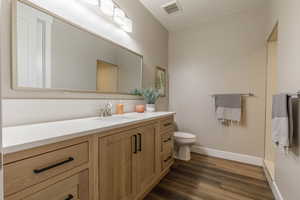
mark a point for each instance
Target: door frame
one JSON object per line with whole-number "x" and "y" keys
{"x": 273, "y": 37}
{"x": 1, "y": 158}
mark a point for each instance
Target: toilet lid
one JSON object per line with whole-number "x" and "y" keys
{"x": 184, "y": 135}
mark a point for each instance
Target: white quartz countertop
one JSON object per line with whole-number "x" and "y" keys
{"x": 24, "y": 137}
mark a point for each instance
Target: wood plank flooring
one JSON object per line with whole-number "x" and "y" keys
{"x": 208, "y": 178}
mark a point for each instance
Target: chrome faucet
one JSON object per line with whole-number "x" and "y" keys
{"x": 107, "y": 110}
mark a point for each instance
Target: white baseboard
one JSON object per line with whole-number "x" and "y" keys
{"x": 228, "y": 155}
{"x": 277, "y": 193}
{"x": 273, "y": 185}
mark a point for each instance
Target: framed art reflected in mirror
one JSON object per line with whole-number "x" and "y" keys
{"x": 161, "y": 81}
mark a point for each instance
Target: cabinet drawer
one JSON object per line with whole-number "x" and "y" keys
{"x": 167, "y": 142}
{"x": 72, "y": 188}
{"x": 167, "y": 160}
{"x": 28, "y": 172}
{"x": 167, "y": 124}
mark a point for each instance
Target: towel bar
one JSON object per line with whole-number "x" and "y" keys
{"x": 242, "y": 94}
{"x": 295, "y": 94}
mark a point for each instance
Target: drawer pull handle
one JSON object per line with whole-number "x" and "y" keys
{"x": 168, "y": 159}
{"x": 168, "y": 124}
{"x": 69, "y": 197}
{"x": 167, "y": 140}
{"x": 37, "y": 171}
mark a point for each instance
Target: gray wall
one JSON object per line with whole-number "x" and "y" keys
{"x": 287, "y": 166}
{"x": 74, "y": 57}
{"x": 129, "y": 70}
{"x": 222, "y": 56}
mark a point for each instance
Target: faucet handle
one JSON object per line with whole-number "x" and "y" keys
{"x": 109, "y": 105}
{"x": 108, "y": 109}
{"x": 102, "y": 112}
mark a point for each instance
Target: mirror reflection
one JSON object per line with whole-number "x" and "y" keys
{"x": 53, "y": 54}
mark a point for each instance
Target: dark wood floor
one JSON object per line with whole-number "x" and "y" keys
{"x": 207, "y": 178}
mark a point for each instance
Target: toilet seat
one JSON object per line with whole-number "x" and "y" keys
{"x": 184, "y": 138}
{"x": 184, "y": 135}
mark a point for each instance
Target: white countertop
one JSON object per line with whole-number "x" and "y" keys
{"x": 24, "y": 137}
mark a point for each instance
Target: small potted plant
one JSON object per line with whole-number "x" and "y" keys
{"x": 150, "y": 95}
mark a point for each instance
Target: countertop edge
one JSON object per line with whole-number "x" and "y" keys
{"x": 39, "y": 143}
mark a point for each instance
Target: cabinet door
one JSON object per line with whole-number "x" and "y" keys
{"x": 148, "y": 156}
{"x": 117, "y": 166}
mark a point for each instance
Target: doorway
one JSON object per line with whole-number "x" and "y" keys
{"x": 271, "y": 89}
{"x": 107, "y": 77}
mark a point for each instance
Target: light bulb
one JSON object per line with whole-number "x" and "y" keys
{"x": 127, "y": 26}
{"x": 119, "y": 16}
{"x": 93, "y": 2}
{"x": 107, "y": 7}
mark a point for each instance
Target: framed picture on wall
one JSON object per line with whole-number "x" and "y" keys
{"x": 161, "y": 81}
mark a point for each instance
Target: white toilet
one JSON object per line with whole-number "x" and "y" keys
{"x": 183, "y": 144}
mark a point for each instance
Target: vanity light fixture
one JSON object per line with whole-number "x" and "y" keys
{"x": 112, "y": 10}
{"x": 107, "y": 7}
{"x": 93, "y": 2}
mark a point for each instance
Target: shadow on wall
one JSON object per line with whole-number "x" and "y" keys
{"x": 175, "y": 126}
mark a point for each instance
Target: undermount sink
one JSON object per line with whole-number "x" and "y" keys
{"x": 124, "y": 117}
{"x": 118, "y": 118}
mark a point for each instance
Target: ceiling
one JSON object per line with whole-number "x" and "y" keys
{"x": 199, "y": 11}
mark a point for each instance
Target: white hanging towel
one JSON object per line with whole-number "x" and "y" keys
{"x": 228, "y": 108}
{"x": 282, "y": 120}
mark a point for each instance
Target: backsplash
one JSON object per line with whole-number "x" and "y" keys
{"x": 27, "y": 111}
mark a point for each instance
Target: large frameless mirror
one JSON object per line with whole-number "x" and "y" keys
{"x": 52, "y": 54}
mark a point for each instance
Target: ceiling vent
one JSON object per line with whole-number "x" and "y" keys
{"x": 172, "y": 7}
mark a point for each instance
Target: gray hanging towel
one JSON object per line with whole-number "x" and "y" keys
{"x": 228, "y": 108}
{"x": 282, "y": 120}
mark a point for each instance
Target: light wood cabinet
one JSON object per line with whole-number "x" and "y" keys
{"x": 128, "y": 163}
{"x": 120, "y": 164}
{"x": 131, "y": 162}
{"x": 167, "y": 160}
{"x": 167, "y": 142}
{"x": 117, "y": 158}
{"x": 148, "y": 157}
{"x": 167, "y": 124}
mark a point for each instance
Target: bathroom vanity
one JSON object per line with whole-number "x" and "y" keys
{"x": 115, "y": 158}
{"x": 121, "y": 157}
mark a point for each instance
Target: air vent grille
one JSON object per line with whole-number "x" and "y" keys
{"x": 172, "y": 7}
